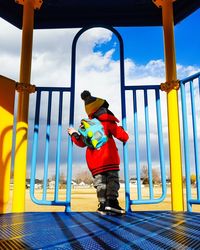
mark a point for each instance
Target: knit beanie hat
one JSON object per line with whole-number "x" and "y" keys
{"x": 92, "y": 104}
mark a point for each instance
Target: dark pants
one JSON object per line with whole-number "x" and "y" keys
{"x": 107, "y": 185}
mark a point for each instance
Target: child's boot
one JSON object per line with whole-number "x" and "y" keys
{"x": 101, "y": 208}
{"x": 113, "y": 206}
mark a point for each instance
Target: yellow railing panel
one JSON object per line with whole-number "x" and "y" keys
{"x": 7, "y": 98}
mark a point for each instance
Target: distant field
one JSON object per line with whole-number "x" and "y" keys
{"x": 85, "y": 200}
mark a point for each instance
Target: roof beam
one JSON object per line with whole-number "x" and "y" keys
{"x": 35, "y": 3}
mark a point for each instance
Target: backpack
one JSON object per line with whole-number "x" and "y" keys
{"x": 93, "y": 133}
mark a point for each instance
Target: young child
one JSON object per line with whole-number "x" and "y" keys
{"x": 103, "y": 162}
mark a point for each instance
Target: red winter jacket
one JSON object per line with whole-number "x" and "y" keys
{"x": 106, "y": 158}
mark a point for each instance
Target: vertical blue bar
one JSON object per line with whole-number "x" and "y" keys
{"x": 46, "y": 157}
{"x": 148, "y": 144}
{"x": 123, "y": 106}
{"x": 35, "y": 144}
{"x": 196, "y": 149}
{"x": 161, "y": 144}
{"x": 199, "y": 84}
{"x": 137, "y": 153}
{"x": 71, "y": 123}
{"x": 69, "y": 176}
{"x": 58, "y": 148}
{"x": 69, "y": 155}
{"x": 186, "y": 146}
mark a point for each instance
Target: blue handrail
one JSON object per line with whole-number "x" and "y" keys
{"x": 58, "y": 146}
{"x": 43, "y": 200}
{"x": 160, "y": 142}
{"x": 148, "y": 144}
{"x": 195, "y": 136}
{"x": 187, "y": 152}
{"x": 186, "y": 145}
{"x": 46, "y": 158}
{"x": 137, "y": 153}
{"x": 151, "y": 199}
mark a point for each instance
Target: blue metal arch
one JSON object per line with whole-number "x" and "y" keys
{"x": 123, "y": 106}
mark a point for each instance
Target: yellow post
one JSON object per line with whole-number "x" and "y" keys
{"x": 7, "y": 97}
{"x": 23, "y": 105}
{"x": 172, "y": 104}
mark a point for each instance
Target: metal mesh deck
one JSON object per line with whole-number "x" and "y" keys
{"x": 138, "y": 230}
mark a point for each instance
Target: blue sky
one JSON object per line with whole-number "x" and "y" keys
{"x": 146, "y": 43}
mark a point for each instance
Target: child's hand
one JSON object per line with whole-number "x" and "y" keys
{"x": 71, "y": 131}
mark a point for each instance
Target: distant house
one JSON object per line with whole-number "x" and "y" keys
{"x": 51, "y": 184}
{"x": 73, "y": 183}
{"x": 133, "y": 180}
{"x": 168, "y": 182}
{"x": 82, "y": 183}
{"x": 28, "y": 183}
{"x": 38, "y": 186}
{"x": 38, "y": 183}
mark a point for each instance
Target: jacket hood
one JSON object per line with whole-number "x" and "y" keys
{"x": 107, "y": 117}
{"x": 104, "y": 114}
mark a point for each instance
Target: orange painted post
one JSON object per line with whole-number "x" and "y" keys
{"x": 23, "y": 105}
{"x": 7, "y": 98}
{"x": 172, "y": 104}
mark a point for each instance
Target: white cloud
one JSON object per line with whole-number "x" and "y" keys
{"x": 150, "y": 73}
{"x": 185, "y": 71}
{"x": 10, "y": 39}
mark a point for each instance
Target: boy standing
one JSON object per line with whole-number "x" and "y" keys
{"x": 103, "y": 162}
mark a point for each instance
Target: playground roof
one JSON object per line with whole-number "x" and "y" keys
{"x": 79, "y": 13}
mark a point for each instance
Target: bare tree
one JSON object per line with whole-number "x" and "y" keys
{"x": 193, "y": 179}
{"x": 155, "y": 175}
{"x": 62, "y": 178}
{"x": 84, "y": 176}
{"x": 144, "y": 175}
{"x": 52, "y": 178}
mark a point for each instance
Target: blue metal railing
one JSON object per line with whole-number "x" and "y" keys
{"x": 43, "y": 200}
{"x": 151, "y": 199}
{"x": 66, "y": 203}
{"x": 187, "y": 89}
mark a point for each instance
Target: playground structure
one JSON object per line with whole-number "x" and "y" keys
{"x": 160, "y": 12}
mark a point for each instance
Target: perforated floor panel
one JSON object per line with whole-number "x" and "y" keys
{"x": 138, "y": 230}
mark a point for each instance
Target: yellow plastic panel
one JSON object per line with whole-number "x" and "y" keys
{"x": 23, "y": 106}
{"x": 7, "y": 98}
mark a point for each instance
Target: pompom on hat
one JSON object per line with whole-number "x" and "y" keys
{"x": 92, "y": 104}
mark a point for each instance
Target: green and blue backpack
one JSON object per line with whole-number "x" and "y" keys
{"x": 93, "y": 133}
